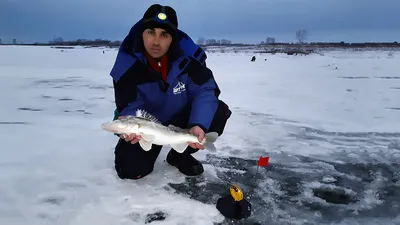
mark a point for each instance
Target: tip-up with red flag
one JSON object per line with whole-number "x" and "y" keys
{"x": 263, "y": 161}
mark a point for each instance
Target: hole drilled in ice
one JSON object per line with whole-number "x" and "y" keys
{"x": 354, "y": 77}
{"x": 29, "y": 109}
{"x": 13, "y": 123}
{"x": 335, "y": 196}
{"x": 54, "y": 200}
{"x": 157, "y": 216}
{"x": 65, "y": 99}
{"x": 389, "y": 77}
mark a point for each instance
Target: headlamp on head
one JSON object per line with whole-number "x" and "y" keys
{"x": 161, "y": 18}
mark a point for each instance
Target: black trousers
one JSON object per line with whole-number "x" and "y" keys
{"x": 132, "y": 162}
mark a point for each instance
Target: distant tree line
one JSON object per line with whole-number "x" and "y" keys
{"x": 83, "y": 42}
{"x": 269, "y": 40}
{"x": 339, "y": 44}
{"x": 300, "y": 35}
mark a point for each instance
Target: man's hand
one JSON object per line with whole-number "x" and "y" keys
{"x": 133, "y": 138}
{"x": 197, "y": 131}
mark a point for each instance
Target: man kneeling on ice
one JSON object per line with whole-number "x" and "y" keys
{"x": 160, "y": 70}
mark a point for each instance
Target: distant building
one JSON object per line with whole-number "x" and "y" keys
{"x": 211, "y": 42}
{"x": 225, "y": 42}
{"x": 215, "y": 42}
{"x": 14, "y": 41}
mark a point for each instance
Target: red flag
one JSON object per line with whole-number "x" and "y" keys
{"x": 263, "y": 161}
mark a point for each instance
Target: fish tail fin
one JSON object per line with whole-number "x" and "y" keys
{"x": 210, "y": 139}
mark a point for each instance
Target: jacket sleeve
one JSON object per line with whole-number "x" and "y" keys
{"x": 204, "y": 102}
{"x": 125, "y": 80}
{"x": 127, "y": 96}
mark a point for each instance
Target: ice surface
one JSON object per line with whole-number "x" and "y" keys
{"x": 327, "y": 121}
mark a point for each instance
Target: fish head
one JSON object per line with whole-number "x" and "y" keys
{"x": 121, "y": 126}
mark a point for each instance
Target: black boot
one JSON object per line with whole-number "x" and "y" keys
{"x": 185, "y": 163}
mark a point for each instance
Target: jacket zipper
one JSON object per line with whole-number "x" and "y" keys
{"x": 162, "y": 83}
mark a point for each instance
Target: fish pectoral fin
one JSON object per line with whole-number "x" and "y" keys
{"x": 145, "y": 144}
{"x": 148, "y": 137}
{"x": 180, "y": 147}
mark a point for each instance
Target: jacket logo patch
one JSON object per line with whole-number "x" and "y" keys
{"x": 179, "y": 88}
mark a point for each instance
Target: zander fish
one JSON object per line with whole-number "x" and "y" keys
{"x": 153, "y": 132}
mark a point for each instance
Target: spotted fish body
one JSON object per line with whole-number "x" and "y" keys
{"x": 153, "y": 132}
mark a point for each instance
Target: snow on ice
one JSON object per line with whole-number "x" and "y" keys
{"x": 330, "y": 123}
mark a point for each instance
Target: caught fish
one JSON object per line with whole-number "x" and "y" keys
{"x": 153, "y": 132}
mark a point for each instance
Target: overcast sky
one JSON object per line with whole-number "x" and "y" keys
{"x": 249, "y": 21}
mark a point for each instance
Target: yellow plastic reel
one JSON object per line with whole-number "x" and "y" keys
{"x": 236, "y": 192}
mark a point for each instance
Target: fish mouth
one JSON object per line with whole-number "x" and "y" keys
{"x": 117, "y": 127}
{"x": 109, "y": 126}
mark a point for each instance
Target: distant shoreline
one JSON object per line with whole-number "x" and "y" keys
{"x": 277, "y": 48}
{"x": 273, "y": 45}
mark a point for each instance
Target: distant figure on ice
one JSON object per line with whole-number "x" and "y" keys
{"x": 159, "y": 69}
{"x": 253, "y": 58}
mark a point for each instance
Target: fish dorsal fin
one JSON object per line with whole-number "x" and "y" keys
{"x": 147, "y": 116}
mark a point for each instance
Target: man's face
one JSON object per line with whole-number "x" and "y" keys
{"x": 156, "y": 42}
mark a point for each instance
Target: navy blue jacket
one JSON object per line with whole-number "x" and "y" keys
{"x": 189, "y": 85}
